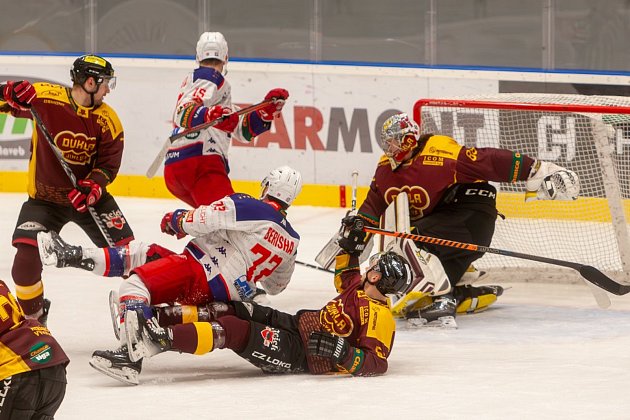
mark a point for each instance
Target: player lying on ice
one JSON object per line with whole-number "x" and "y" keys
{"x": 239, "y": 241}
{"x": 353, "y": 333}
{"x": 450, "y": 197}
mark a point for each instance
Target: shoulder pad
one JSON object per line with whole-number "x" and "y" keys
{"x": 443, "y": 146}
{"x": 110, "y": 118}
{"x": 384, "y": 160}
{"x": 51, "y": 91}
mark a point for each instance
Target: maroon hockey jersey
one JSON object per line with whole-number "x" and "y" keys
{"x": 25, "y": 344}
{"x": 366, "y": 323}
{"x": 90, "y": 140}
{"x": 439, "y": 164}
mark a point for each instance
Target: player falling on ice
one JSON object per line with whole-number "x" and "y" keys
{"x": 352, "y": 334}
{"x": 239, "y": 242}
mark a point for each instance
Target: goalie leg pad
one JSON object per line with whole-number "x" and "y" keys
{"x": 429, "y": 277}
{"x": 476, "y": 299}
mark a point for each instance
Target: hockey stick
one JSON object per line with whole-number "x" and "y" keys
{"x": 315, "y": 267}
{"x": 589, "y": 273}
{"x": 326, "y": 256}
{"x": 155, "y": 165}
{"x": 355, "y": 182}
{"x": 73, "y": 178}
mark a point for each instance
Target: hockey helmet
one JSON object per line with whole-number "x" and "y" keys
{"x": 283, "y": 184}
{"x": 92, "y": 66}
{"x": 395, "y": 272}
{"x": 399, "y": 135}
{"x": 212, "y": 45}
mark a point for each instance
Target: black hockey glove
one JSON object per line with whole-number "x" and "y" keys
{"x": 352, "y": 235}
{"x": 324, "y": 344}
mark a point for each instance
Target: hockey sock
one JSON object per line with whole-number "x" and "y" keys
{"x": 27, "y": 274}
{"x": 198, "y": 337}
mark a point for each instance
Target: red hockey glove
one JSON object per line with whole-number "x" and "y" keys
{"x": 19, "y": 95}
{"x": 228, "y": 119}
{"x": 172, "y": 223}
{"x": 87, "y": 193}
{"x": 274, "y": 109}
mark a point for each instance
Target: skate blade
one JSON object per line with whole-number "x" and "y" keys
{"x": 125, "y": 375}
{"x": 113, "y": 311}
{"x": 445, "y": 322}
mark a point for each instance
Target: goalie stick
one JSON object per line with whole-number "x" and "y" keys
{"x": 590, "y": 273}
{"x": 155, "y": 165}
{"x": 326, "y": 256}
{"x": 73, "y": 179}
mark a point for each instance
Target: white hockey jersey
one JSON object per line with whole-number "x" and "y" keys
{"x": 241, "y": 241}
{"x": 203, "y": 87}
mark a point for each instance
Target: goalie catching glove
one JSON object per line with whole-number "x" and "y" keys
{"x": 548, "y": 181}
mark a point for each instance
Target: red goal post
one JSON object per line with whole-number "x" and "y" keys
{"x": 587, "y": 134}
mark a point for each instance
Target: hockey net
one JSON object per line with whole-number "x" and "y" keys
{"x": 587, "y": 134}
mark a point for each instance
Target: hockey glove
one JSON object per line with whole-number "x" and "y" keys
{"x": 324, "y": 344}
{"x": 228, "y": 119}
{"x": 87, "y": 193}
{"x": 548, "y": 181}
{"x": 351, "y": 235}
{"x": 172, "y": 223}
{"x": 19, "y": 95}
{"x": 274, "y": 109}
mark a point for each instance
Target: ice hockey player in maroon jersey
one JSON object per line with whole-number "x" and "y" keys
{"x": 353, "y": 333}
{"x": 90, "y": 138}
{"x": 450, "y": 197}
{"x": 32, "y": 364}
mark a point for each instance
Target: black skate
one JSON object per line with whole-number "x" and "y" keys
{"x": 439, "y": 313}
{"x": 146, "y": 337}
{"x": 116, "y": 364}
{"x": 471, "y": 299}
{"x": 43, "y": 318}
{"x": 55, "y": 251}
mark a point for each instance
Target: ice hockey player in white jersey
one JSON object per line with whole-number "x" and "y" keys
{"x": 196, "y": 166}
{"x": 238, "y": 242}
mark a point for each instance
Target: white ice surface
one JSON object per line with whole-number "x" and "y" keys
{"x": 543, "y": 351}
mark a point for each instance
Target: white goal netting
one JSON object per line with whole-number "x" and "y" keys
{"x": 587, "y": 134}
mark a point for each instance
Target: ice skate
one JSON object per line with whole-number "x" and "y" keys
{"x": 43, "y": 318}
{"x": 471, "y": 299}
{"x": 116, "y": 364}
{"x": 145, "y": 336}
{"x": 439, "y": 313}
{"x": 55, "y": 251}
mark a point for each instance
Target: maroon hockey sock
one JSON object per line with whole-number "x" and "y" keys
{"x": 237, "y": 332}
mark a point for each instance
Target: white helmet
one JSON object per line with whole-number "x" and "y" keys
{"x": 212, "y": 45}
{"x": 283, "y": 183}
